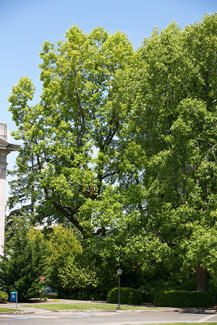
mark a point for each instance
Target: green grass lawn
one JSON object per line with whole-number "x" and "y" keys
{"x": 85, "y": 306}
{"x": 3, "y": 309}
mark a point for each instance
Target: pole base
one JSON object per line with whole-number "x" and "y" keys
{"x": 118, "y": 308}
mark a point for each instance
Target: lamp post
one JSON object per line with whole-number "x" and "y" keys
{"x": 119, "y": 272}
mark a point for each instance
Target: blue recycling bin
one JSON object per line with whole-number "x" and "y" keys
{"x": 13, "y": 296}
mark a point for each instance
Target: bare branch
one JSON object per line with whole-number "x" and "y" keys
{"x": 212, "y": 152}
{"x": 161, "y": 238}
{"x": 205, "y": 141}
{"x": 110, "y": 174}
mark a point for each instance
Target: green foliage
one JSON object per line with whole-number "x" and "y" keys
{"x": 74, "y": 154}
{"x": 79, "y": 113}
{"x": 75, "y": 278}
{"x": 213, "y": 290}
{"x": 69, "y": 272}
{"x": 123, "y": 146}
{"x": 97, "y": 296}
{"x": 172, "y": 121}
{"x": 24, "y": 261}
{"x": 182, "y": 299}
{"x": 3, "y": 296}
{"x": 81, "y": 295}
{"x": 160, "y": 277}
{"x": 151, "y": 288}
{"x": 73, "y": 296}
{"x": 127, "y": 296}
{"x": 63, "y": 247}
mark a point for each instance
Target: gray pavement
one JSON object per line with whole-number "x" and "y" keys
{"x": 35, "y": 316}
{"x": 104, "y": 318}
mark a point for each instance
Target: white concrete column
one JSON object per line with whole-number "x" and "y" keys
{"x": 5, "y": 149}
{"x": 3, "y": 131}
{"x": 3, "y": 168}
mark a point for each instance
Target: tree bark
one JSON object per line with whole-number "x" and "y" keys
{"x": 202, "y": 278}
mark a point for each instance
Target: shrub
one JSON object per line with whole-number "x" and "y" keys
{"x": 213, "y": 291}
{"x": 81, "y": 295}
{"x": 135, "y": 297}
{"x": 3, "y": 296}
{"x": 153, "y": 286}
{"x": 73, "y": 296}
{"x": 97, "y": 296}
{"x": 127, "y": 296}
{"x": 182, "y": 299}
{"x": 91, "y": 296}
{"x": 62, "y": 295}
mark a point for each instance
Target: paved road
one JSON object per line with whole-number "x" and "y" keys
{"x": 42, "y": 317}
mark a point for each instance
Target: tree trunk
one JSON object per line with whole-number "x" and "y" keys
{"x": 202, "y": 278}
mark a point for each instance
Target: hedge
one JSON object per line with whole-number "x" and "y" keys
{"x": 3, "y": 296}
{"x": 127, "y": 296}
{"x": 177, "y": 298}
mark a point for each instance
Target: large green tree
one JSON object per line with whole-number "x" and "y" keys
{"x": 71, "y": 159}
{"x": 172, "y": 100}
{"x": 69, "y": 150}
{"x": 123, "y": 145}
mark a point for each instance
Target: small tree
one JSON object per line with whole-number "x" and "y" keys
{"x": 63, "y": 246}
{"x": 78, "y": 278}
{"x": 24, "y": 260}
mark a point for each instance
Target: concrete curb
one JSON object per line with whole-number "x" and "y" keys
{"x": 182, "y": 310}
{"x": 16, "y": 312}
{"x": 207, "y": 311}
{"x": 101, "y": 310}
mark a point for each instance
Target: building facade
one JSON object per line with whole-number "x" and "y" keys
{"x": 5, "y": 149}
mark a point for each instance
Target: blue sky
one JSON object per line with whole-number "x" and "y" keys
{"x": 26, "y": 24}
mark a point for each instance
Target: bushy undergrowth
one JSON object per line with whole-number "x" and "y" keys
{"x": 177, "y": 298}
{"x": 127, "y": 296}
{"x": 3, "y": 296}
